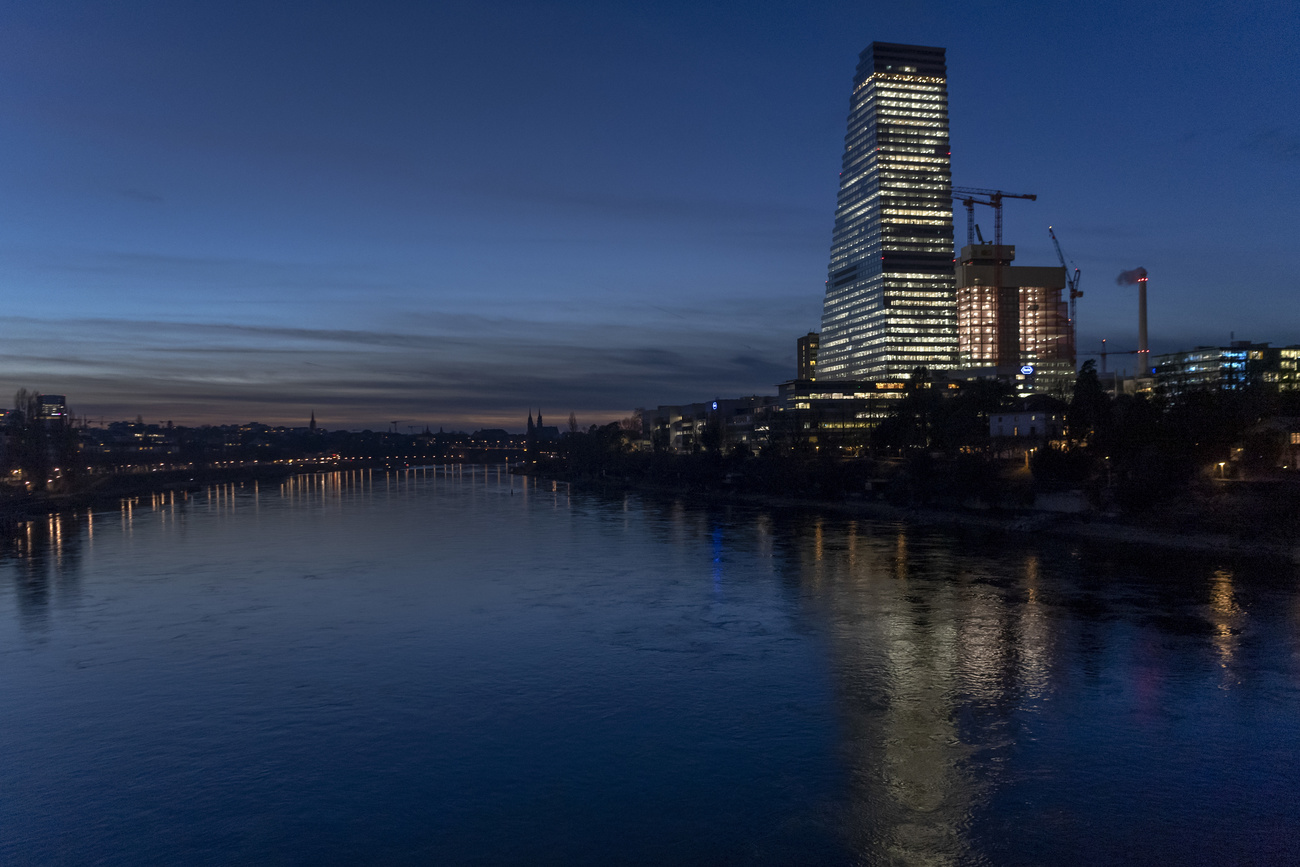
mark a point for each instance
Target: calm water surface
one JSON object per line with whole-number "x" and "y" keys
{"x": 443, "y": 667}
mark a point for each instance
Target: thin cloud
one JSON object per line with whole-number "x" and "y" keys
{"x": 235, "y": 372}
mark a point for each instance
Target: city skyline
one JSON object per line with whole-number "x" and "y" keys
{"x": 450, "y": 215}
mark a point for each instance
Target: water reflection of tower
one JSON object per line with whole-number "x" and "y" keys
{"x": 916, "y": 647}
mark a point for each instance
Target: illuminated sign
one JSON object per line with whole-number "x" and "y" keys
{"x": 1027, "y": 370}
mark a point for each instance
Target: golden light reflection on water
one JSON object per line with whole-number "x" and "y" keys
{"x": 902, "y": 664}
{"x": 1227, "y": 618}
{"x": 927, "y": 642}
{"x": 56, "y": 537}
{"x": 814, "y": 555}
{"x": 1033, "y": 636}
{"x": 900, "y": 556}
{"x": 923, "y": 639}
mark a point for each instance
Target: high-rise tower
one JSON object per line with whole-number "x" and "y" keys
{"x": 890, "y": 299}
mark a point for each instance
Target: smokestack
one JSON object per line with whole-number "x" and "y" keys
{"x": 1128, "y": 278}
{"x": 1144, "y": 351}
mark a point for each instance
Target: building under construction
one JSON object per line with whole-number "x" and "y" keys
{"x": 1011, "y": 321}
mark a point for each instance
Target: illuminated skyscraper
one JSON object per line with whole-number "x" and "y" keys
{"x": 890, "y": 300}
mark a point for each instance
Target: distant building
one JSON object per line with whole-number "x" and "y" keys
{"x": 130, "y": 441}
{"x": 807, "y": 355}
{"x": 805, "y": 414}
{"x": 546, "y": 433}
{"x": 1240, "y": 364}
{"x": 720, "y": 424}
{"x": 54, "y": 407}
{"x": 1011, "y": 321}
{"x": 539, "y": 439}
{"x": 830, "y": 413}
{"x": 1288, "y": 369}
{"x": 495, "y": 438}
{"x": 889, "y": 305}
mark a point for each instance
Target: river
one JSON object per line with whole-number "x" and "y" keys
{"x": 449, "y": 665}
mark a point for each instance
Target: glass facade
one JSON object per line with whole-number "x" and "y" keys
{"x": 890, "y": 300}
{"x": 1227, "y": 368}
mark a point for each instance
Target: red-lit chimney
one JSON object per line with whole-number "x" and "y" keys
{"x": 1144, "y": 351}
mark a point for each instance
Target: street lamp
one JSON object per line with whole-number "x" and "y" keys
{"x": 1221, "y": 465}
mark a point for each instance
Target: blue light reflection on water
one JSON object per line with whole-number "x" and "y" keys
{"x": 445, "y": 666}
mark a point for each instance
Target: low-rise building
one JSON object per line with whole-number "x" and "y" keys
{"x": 1239, "y": 365}
{"x": 832, "y": 413}
{"x": 1026, "y": 424}
{"x": 804, "y": 414}
{"x": 716, "y": 424}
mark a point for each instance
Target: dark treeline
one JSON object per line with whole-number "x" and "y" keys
{"x": 1211, "y": 459}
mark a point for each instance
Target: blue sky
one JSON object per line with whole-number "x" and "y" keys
{"x": 450, "y": 212}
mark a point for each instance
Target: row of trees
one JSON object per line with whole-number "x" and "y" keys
{"x": 1150, "y": 447}
{"x": 1137, "y": 451}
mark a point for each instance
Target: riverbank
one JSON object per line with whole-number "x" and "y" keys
{"x": 109, "y": 489}
{"x": 101, "y": 491}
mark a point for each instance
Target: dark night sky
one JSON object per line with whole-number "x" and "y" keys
{"x": 448, "y": 212}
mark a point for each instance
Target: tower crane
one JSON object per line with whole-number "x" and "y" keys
{"x": 972, "y": 196}
{"x": 1008, "y": 328}
{"x": 1071, "y": 280}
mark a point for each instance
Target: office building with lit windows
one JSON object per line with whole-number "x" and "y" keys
{"x": 1288, "y": 372}
{"x": 806, "y": 348}
{"x": 54, "y": 407}
{"x": 1238, "y": 366}
{"x": 890, "y": 302}
{"x": 1011, "y": 321}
